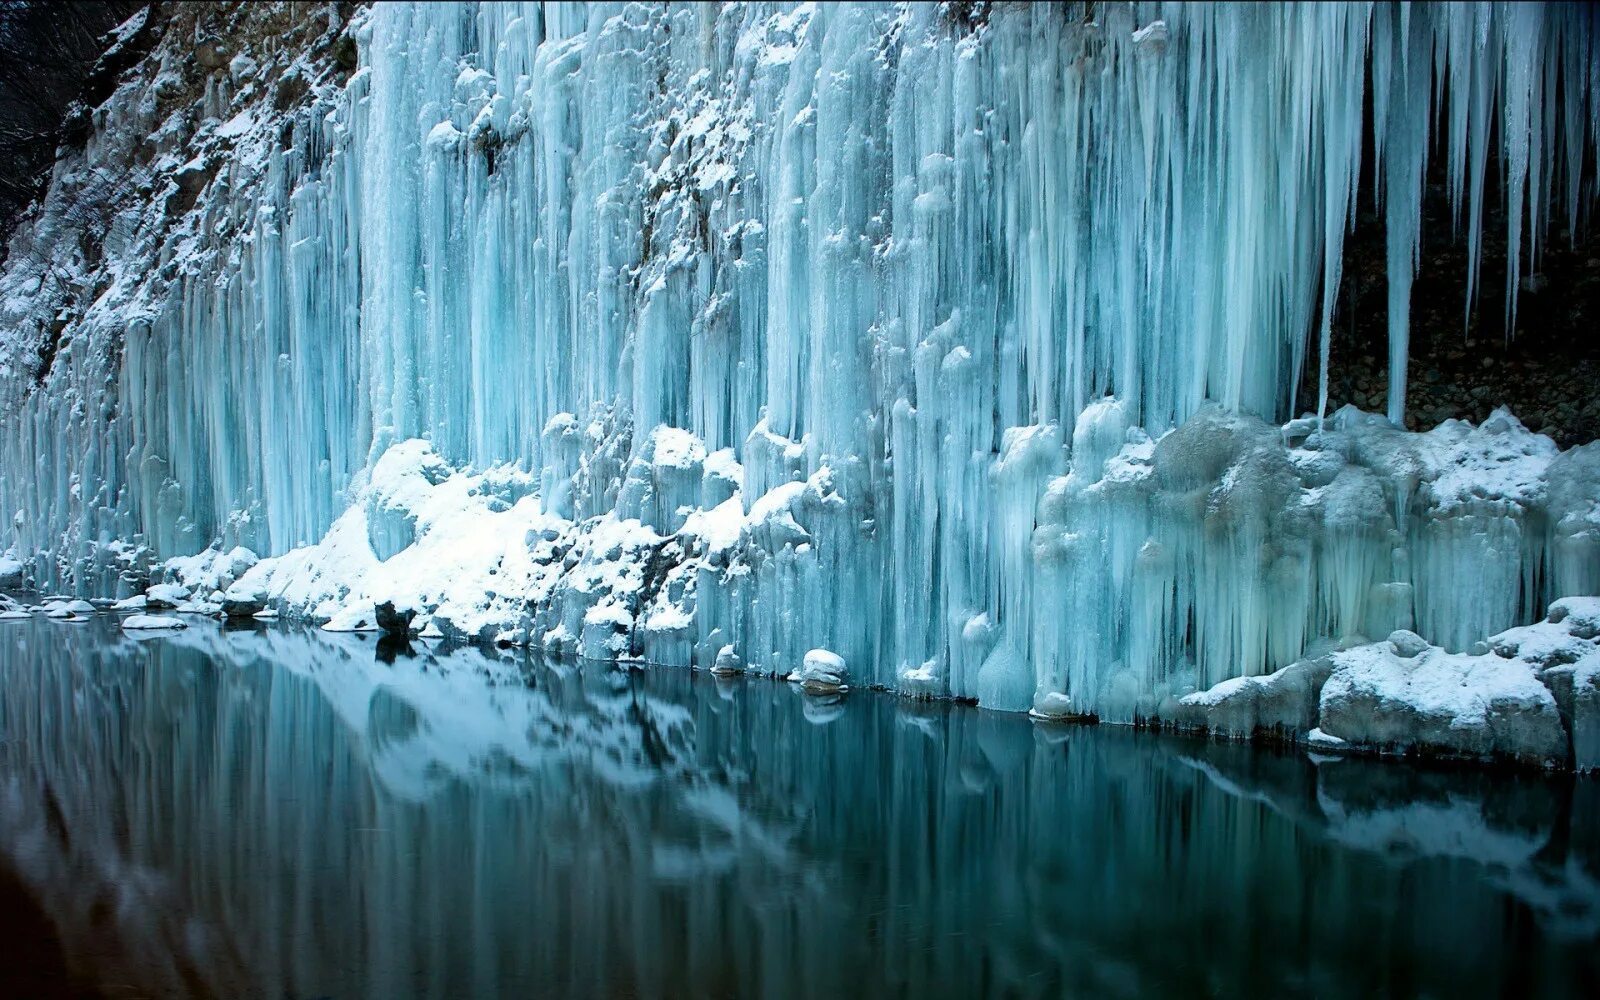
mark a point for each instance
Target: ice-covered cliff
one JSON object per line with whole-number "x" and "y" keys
{"x": 962, "y": 340}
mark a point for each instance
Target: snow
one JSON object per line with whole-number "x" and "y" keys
{"x": 167, "y": 594}
{"x": 135, "y": 623}
{"x": 1441, "y": 702}
{"x": 240, "y": 124}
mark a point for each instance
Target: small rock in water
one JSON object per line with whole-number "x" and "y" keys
{"x": 67, "y": 609}
{"x": 237, "y": 605}
{"x": 821, "y": 671}
{"x": 165, "y": 595}
{"x": 135, "y": 623}
{"x": 728, "y": 662}
{"x": 1051, "y": 705}
{"x": 392, "y": 619}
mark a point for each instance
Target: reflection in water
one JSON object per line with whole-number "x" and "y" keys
{"x": 286, "y": 813}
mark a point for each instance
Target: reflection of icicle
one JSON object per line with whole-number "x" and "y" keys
{"x": 454, "y": 799}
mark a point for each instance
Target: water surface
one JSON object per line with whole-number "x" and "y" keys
{"x": 291, "y": 814}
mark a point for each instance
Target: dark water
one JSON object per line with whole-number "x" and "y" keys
{"x": 289, "y": 814}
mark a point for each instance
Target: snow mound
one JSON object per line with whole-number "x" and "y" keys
{"x": 137, "y": 623}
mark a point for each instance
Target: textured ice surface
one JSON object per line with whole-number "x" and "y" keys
{"x": 959, "y": 348}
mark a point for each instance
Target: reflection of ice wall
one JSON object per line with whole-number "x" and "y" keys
{"x": 883, "y": 264}
{"x": 276, "y": 812}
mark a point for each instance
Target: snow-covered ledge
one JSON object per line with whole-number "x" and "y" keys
{"x": 1529, "y": 695}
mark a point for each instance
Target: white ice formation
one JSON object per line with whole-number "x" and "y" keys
{"x": 960, "y": 340}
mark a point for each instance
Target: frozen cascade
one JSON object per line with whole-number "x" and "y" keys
{"x": 958, "y": 341}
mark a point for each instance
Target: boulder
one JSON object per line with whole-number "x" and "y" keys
{"x": 1576, "y": 689}
{"x": 822, "y": 671}
{"x": 1448, "y": 704}
{"x": 728, "y": 662}
{"x": 1282, "y": 703}
{"x": 1407, "y": 644}
{"x": 243, "y": 605}
{"x": 391, "y": 619}
{"x": 151, "y": 623}
{"x": 163, "y": 596}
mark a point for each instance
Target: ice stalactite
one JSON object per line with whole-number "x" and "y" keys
{"x": 960, "y": 341}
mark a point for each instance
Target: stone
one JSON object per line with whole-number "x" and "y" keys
{"x": 163, "y": 596}
{"x": 392, "y": 619}
{"x": 243, "y": 605}
{"x": 1440, "y": 703}
{"x": 1282, "y": 703}
{"x": 728, "y": 662}
{"x": 822, "y": 671}
{"x": 1407, "y": 644}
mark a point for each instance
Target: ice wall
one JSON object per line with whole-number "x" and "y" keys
{"x": 880, "y": 260}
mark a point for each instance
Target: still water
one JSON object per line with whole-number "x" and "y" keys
{"x": 286, "y": 813}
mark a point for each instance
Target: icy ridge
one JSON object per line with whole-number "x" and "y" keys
{"x": 1220, "y": 552}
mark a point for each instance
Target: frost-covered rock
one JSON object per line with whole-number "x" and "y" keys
{"x": 727, "y": 662}
{"x": 67, "y": 608}
{"x": 243, "y": 603}
{"x": 1441, "y": 703}
{"x": 822, "y": 671}
{"x": 146, "y": 623}
{"x": 1282, "y": 704}
{"x": 163, "y": 596}
{"x": 11, "y": 572}
{"x": 1407, "y": 644}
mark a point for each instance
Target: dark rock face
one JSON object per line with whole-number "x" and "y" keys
{"x": 392, "y": 619}
{"x": 1466, "y": 361}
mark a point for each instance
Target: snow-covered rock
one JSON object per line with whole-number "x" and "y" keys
{"x": 1407, "y": 644}
{"x": 163, "y": 596}
{"x": 1564, "y": 650}
{"x": 67, "y": 608}
{"x": 727, "y": 662}
{"x": 148, "y": 623}
{"x": 1441, "y": 703}
{"x": 1052, "y": 706}
{"x": 822, "y": 671}
{"x": 1282, "y": 704}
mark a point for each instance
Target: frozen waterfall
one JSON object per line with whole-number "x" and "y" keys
{"x": 960, "y": 340}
